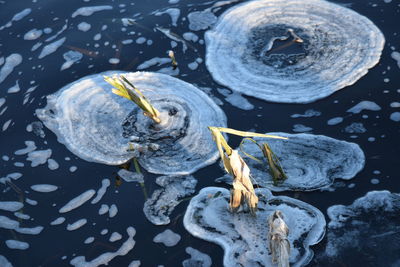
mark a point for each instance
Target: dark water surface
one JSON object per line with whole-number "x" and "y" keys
{"x": 380, "y": 142}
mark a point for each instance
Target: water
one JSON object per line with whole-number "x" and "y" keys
{"x": 69, "y": 51}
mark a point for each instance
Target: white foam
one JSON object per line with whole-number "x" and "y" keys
{"x": 152, "y": 62}
{"x": 197, "y": 258}
{"x": 89, "y": 10}
{"x": 112, "y": 211}
{"x": 105, "y": 183}
{"x": 243, "y": 236}
{"x": 339, "y": 46}
{"x": 115, "y": 236}
{"x": 395, "y": 116}
{"x": 168, "y": 238}
{"x": 44, "y": 188}
{"x": 87, "y": 117}
{"x": 33, "y": 34}
{"x": 84, "y": 26}
{"x": 11, "y": 62}
{"x": 76, "y": 225}
{"x": 105, "y": 258}
{"x": 163, "y": 201}
{"x": 51, "y": 48}
{"x": 11, "y": 205}
{"x": 78, "y": 201}
{"x": 335, "y": 121}
{"x": 58, "y": 221}
{"x": 310, "y": 161}
{"x": 364, "y": 105}
{"x": 173, "y": 13}
{"x": 15, "y": 244}
{"x": 201, "y": 20}
{"x": 38, "y": 157}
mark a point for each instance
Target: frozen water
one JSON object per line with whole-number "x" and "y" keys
{"x": 168, "y": 238}
{"x": 11, "y": 205}
{"x": 51, "y": 48}
{"x": 76, "y": 225}
{"x": 89, "y": 240}
{"x": 105, "y": 183}
{"x": 97, "y": 125}
{"x": 307, "y": 114}
{"x": 129, "y": 176}
{"x": 78, "y": 201}
{"x": 30, "y": 146}
{"x": 89, "y": 10}
{"x": 115, "y": 237}
{"x": 84, "y": 26}
{"x": 104, "y": 208}
{"x": 112, "y": 211}
{"x": 52, "y": 164}
{"x": 4, "y": 262}
{"x": 369, "y": 223}
{"x": 201, "y": 20}
{"x": 335, "y": 121}
{"x": 355, "y": 127}
{"x": 301, "y": 128}
{"x": 33, "y": 34}
{"x": 11, "y": 62}
{"x": 15, "y": 244}
{"x": 364, "y": 105}
{"x": 173, "y": 13}
{"x": 243, "y": 236}
{"x": 44, "y": 188}
{"x": 339, "y": 46}
{"x": 70, "y": 58}
{"x": 38, "y": 157}
{"x": 163, "y": 201}
{"x": 395, "y": 116}
{"x": 310, "y": 162}
{"x": 58, "y": 221}
{"x": 197, "y": 259}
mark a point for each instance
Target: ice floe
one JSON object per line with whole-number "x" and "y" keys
{"x": 15, "y": 244}
{"x": 70, "y": 58}
{"x": 38, "y": 157}
{"x": 89, "y": 10}
{"x": 310, "y": 162}
{"x": 197, "y": 258}
{"x": 364, "y": 105}
{"x": 327, "y": 47}
{"x": 105, "y": 183}
{"x": 163, "y": 201}
{"x": 97, "y": 125}
{"x": 4, "y": 262}
{"x": 78, "y": 201}
{"x": 11, "y": 62}
{"x": 11, "y": 205}
{"x": 44, "y": 188}
{"x": 369, "y": 226}
{"x": 51, "y": 48}
{"x": 168, "y": 238}
{"x": 76, "y": 225}
{"x": 243, "y": 237}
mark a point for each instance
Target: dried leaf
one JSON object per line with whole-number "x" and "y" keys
{"x": 279, "y": 245}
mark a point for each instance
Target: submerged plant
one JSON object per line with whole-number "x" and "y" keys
{"x": 275, "y": 167}
{"x": 243, "y": 190}
{"x": 279, "y": 245}
{"x": 127, "y": 90}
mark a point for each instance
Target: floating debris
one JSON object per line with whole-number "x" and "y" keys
{"x": 168, "y": 238}
{"x": 279, "y": 245}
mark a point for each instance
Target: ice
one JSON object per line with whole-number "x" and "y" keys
{"x": 300, "y": 128}
{"x": 395, "y": 116}
{"x": 335, "y": 121}
{"x": 14, "y": 89}
{"x": 84, "y": 26}
{"x": 4, "y": 262}
{"x": 20, "y": 15}
{"x": 396, "y": 56}
{"x": 168, "y": 238}
{"x": 152, "y": 62}
{"x": 30, "y": 231}
{"x": 33, "y": 34}
{"x": 392, "y": 105}
{"x": 173, "y": 13}
{"x": 76, "y": 225}
{"x": 78, "y": 201}
{"x": 105, "y": 258}
{"x": 7, "y": 223}
{"x": 70, "y": 58}
{"x": 114, "y": 60}
{"x": 243, "y": 236}
{"x": 307, "y": 114}
{"x": 129, "y": 176}
{"x": 355, "y": 127}
{"x": 51, "y": 48}
{"x": 89, "y": 240}
{"x": 6, "y": 125}
{"x": 44, "y": 188}
{"x": 104, "y": 232}
{"x": 190, "y": 36}
{"x": 310, "y": 162}
{"x": 339, "y": 46}
{"x": 201, "y": 20}
{"x": 141, "y": 40}
{"x": 15, "y": 244}
{"x": 73, "y": 168}
{"x": 52, "y": 164}
{"x": 8, "y": 177}
{"x": 105, "y": 183}
{"x": 163, "y": 201}
{"x": 89, "y": 10}
{"x": 11, "y": 62}
{"x": 21, "y": 215}
{"x": 38, "y": 157}
{"x": 364, "y": 105}
{"x": 11, "y": 205}
{"x": 103, "y": 209}
{"x": 236, "y": 99}
{"x": 97, "y": 125}
{"x": 197, "y": 259}
{"x": 115, "y": 237}
{"x": 58, "y": 221}
{"x": 135, "y": 263}
{"x": 370, "y": 224}
{"x": 112, "y": 211}
{"x": 31, "y": 202}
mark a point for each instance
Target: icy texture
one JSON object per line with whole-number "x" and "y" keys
{"x": 51, "y": 48}
{"x": 105, "y": 258}
{"x": 38, "y": 157}
{"x": 44, "y": 188}
{"x": 11, "y": 205}
{"x": 76, "y": 225}
{"x": 70, "y": 58}
{"x": 7, "y": 223}
{"x": 163, "y": 201}
{"x": 173, "y": 13}
{"x": 77, "y": 201}
{"x": 89, "y": 240}
{"x": 307, "y": 114}
{"x": 370, "y": 226}
{"x": 112, "y": 211}
{"x": 197, "y": 259}
{"x": 244, "y": 237}
{"x": 201, "y": 20}
{"x": 105, "y": 183}
{"x": 115, "y": 237}
{"x": 339, "y": 47}
{"x": 84, "y": 26}
{"x": 58, "y": 221}
{"x": 89, "y": 10}
{"x": 310, "y": 161}
{"x": 168, "y": 238}
{"x": 4, "y": 262}
{"x": 30, "y": 146}
{"x": 103, "y": 209}
{"x": 15, "y": 244}
{"x": 11, "y": 62}
{"x": 97, "y": 125}
{"x": 395, "y": 116}
{"x": 129, "y": 176}
{"x": 355, "y": 127}
{"x": 335, "y": 121}
{"x": 33, "y": 34}
{"x": 364, "y": 105}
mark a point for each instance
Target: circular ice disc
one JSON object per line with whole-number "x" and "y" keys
{"x": 97, "y": 125}
{"x": 291, "y": 51}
